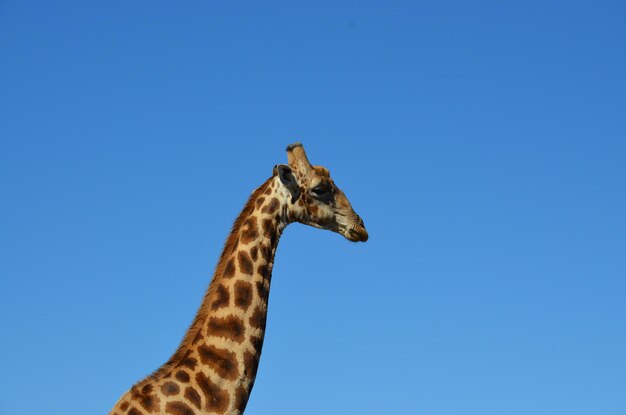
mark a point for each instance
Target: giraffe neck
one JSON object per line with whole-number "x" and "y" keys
{"x": 214, "y": 368}
{"x": 230, "y": 338}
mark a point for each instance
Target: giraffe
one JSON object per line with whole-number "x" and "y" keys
{"x": 213, "y": 369}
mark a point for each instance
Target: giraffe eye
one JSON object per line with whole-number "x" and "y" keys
{"x": 323, "y": 192}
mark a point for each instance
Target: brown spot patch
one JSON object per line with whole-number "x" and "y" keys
{"x": 245, "y": 263}
{"x": 257, "y": 343}
{"x": 229, "y": 269}
{"x": 268, "y": 190}
{"x": 182, "y": 376}
{"x": 262, "y": 288}
{"x": 243, "y": 294}
{"x": 169, "y": 389}
{"x": 258, "y": 318}
{"x": 189, "y": 362}
{"x": 254, "y": 253}
{"x": 221, "y": 297}
{"x": 241, "y": 399}
{"x": 148, "y": 400}
{"x": 268, "y": 227}
{"x": 193, "y": 396}
{"x": 134, "y": 411}
{"x": 124, "y": 406}
{"x": 271, "y": 207}
{"x": 178, "y": 408}
{"x": 251, "y": 363}
{"x": 222, "y": 361}
{"x": 264, "y": 271}
{"x": 216, "y": 399}
{"x": 259, "y": 201}
{"x": 250, "y": 230}
{"x": 230, "y": 327}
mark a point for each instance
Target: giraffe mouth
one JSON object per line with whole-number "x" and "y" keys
{"x": 351, "y": 227}
{"x": 356, "y": 233}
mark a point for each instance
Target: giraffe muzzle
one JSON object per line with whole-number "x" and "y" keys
{"x": 357, "y": 232}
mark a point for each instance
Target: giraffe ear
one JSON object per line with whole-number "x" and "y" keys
{"x": 285, "y": 174}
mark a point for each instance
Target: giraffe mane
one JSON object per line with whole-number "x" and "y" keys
{"x": 192, "y": 332}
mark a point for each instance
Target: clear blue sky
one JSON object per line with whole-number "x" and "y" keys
{"x": 483, "y": 143}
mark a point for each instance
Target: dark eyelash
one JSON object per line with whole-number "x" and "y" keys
{"x": 323, "y": 188}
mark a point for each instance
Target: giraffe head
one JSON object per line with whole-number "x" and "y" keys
{"x": 315, "y": 199}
